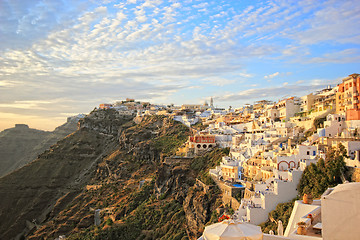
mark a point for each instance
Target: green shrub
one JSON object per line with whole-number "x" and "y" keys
{"x": 324, "y": 174}
{"x": 282, "y": 212}
{"x": 109, "y": 222}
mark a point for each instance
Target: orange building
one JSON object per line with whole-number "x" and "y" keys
{"x": 347, "y": 97}
{"x": 202, "y": 142}
{"x": 105, "y": 106}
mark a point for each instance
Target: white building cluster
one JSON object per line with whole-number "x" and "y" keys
{"x": 270, "y": 145}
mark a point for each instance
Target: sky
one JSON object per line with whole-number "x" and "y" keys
{"x": 60, "y": 58}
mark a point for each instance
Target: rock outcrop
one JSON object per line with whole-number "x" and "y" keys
{"x": 198, "y": 207}
{"x": 106, "y": 121}
{"x": 174, "y": 181}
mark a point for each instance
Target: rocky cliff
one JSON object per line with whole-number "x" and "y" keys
{"x": 117, "y": 166}
{"x": 21, "y": 144}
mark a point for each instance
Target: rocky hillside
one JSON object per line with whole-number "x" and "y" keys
{"x": 21, "y": 144}
{"x": 119, "y": 167}
{"x": 29, "y": 194}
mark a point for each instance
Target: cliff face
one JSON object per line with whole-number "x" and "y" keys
{"x": 122, "y": 165}
{"x": 30, "y": 192}
{"x": 199, "y": 207}
{"x": 21, "y": 144}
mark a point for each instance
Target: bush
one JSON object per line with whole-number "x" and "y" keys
{"x": 109, "y": 222}
{"x": 324, "y": 174}
{"x": 282, "y": 212}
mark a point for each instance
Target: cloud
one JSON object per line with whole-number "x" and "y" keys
{"x": 276, "y": 92}
{"x": 276, "y": 74}
{"x": 25, "y": 22}
{"x": 4, "y": 84}
{"x": 334, "y": 21}
{"x": 340, "y": 57}
{"x": 271, "y": 75}
{"x": 35, "y": 104}
{"x": 201, "y": 5}
{"x": 218, "y": 81}
{"x": 153, "y": 49}
{"x": 295, "y": 51}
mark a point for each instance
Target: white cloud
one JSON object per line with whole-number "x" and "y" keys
{"x": 270, "y": 76}
{"x": 5, "y": 83}
{"x": 276, "y": 92}
{"x": 34, "y": 104}
{"x": 276, "y": 74}
{"x": 201, "y": 5}
{"x": 176, "y": 5}
{"x": 334, "y": 21}
{"x": 151, "y": 49}
{"x": 151, "y": 3}
{"x": 218, "y": 81}
{"x": 244, "y": 75}
{"x": 295, "y": 51}
{"x": 343, "y": 56}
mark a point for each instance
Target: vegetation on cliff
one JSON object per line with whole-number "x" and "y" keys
{"x": 113, "y": 164}
{"x": 140, "y": 216}
{"x": 324, "y": 174}
{"x": 210, "y": 160}
{"x": 169, "y": 206}
{"x": 282, "y": 212}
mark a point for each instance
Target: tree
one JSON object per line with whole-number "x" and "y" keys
{"x": 324, "y": 174}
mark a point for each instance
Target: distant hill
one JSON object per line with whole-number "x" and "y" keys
{"x": 21, "y": 144}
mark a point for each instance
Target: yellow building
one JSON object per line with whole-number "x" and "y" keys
{"x": 229, "y": 172}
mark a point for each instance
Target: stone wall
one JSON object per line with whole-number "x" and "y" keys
{"x": 228, "y": 193}
{"x": 232, "y": 202}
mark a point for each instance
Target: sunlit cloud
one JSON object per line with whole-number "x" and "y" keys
{"x": 87, "y": 52}
{"x": 272, "y": 75}
{"x": 278, "y": 92}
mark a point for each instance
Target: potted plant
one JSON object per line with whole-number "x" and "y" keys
{"x": 301, "y": 230}
{"x": 223, "y": 217}
{"x": 311, "y": 217}
{"x": 307, "y": 198}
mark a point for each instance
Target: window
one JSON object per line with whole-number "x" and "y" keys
{"x": 314, "y": 153}
{"x": 308, "y": 153}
